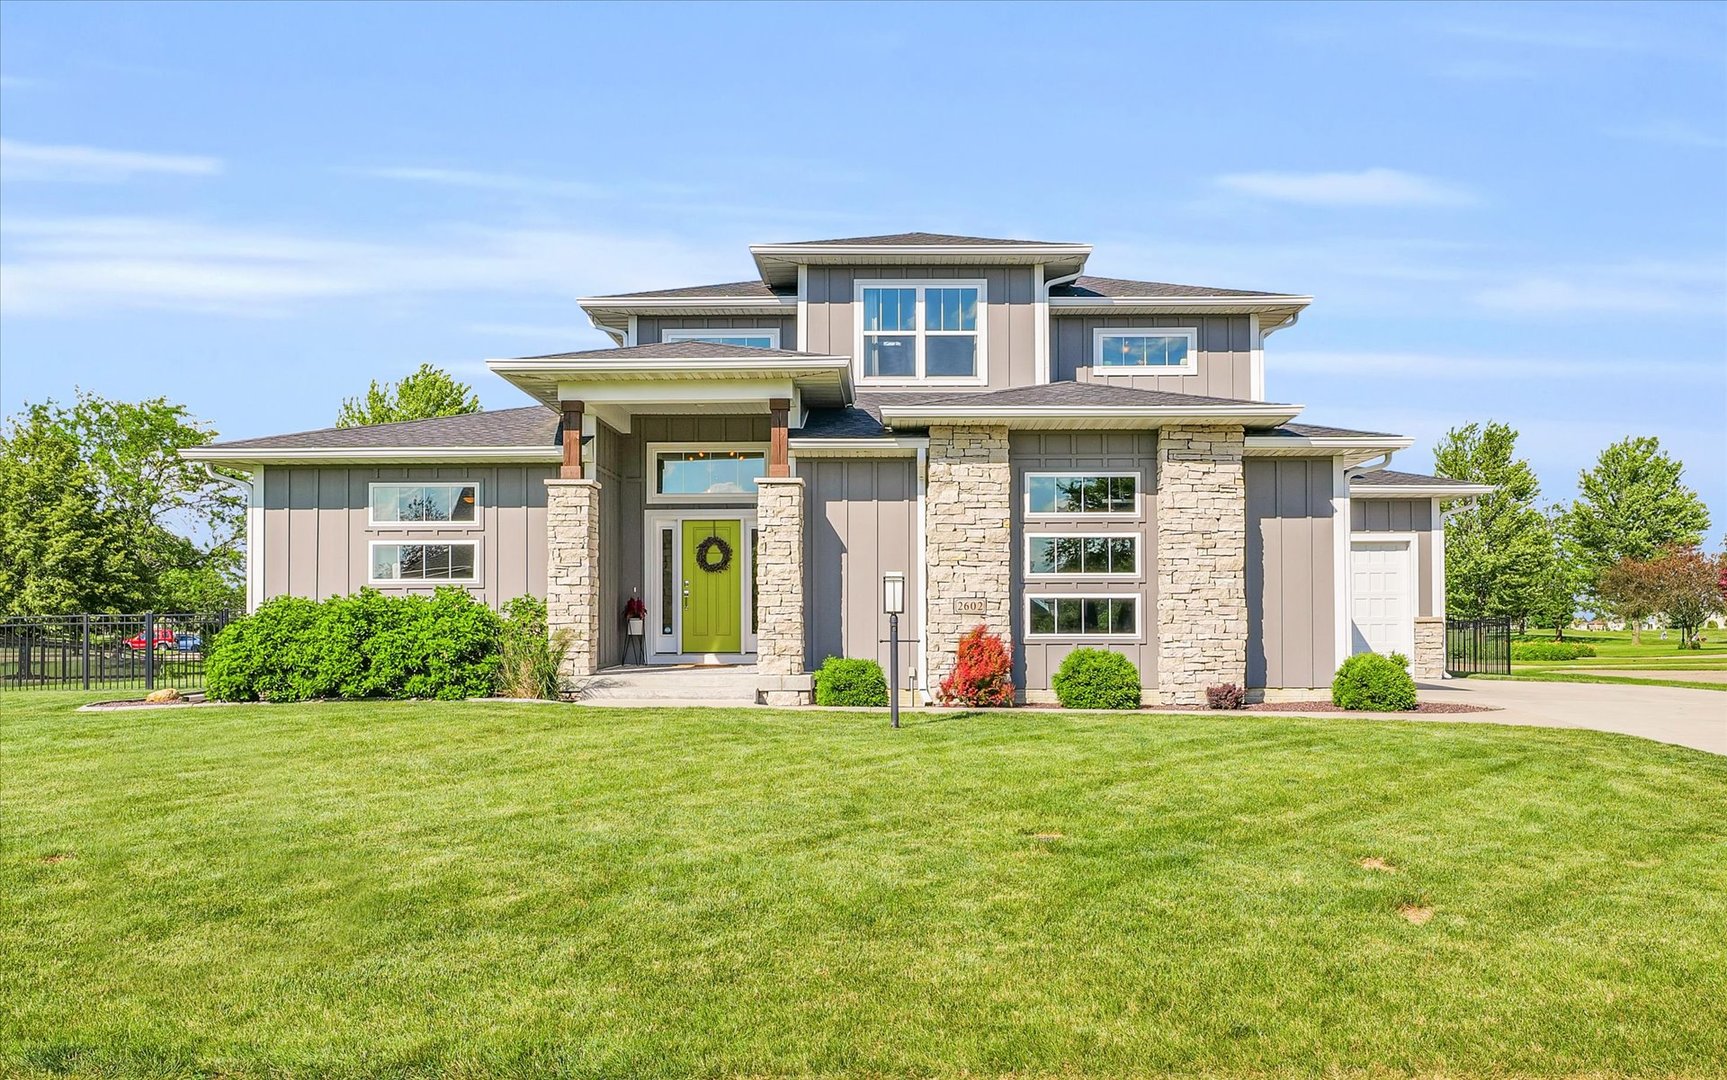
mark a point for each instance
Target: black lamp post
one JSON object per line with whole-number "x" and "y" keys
{"x": 893, "y": 602}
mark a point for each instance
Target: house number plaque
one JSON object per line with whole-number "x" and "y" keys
{"x": 968, "y": 607}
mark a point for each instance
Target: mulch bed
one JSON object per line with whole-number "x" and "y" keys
{"x": 1428, "y": 707}
{"x": 140, "y": 703}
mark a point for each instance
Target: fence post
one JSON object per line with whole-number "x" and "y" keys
{"x": 84, "y": 646}
{"x": 149, "y": 651}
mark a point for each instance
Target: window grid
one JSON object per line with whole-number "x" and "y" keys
{"x": 1082, "y": 617}
{"x": 1169, "y": 350}
{"x": 449, "y": 563}
{"x": 1077, "y": 494}
{"x": 403, "y": 504}
{"x": 918, "y": 332}
{"x": 751, "y": 339}
{"x": 1082, "y": 555}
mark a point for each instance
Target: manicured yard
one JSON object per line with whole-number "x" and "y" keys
{"x": 480, "y": 889}
{"x": 1653, "y": 662}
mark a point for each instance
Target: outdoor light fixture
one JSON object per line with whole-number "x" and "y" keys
{"x": 893, "y": 602}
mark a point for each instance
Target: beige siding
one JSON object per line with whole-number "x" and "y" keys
{"x": 1403, "y": 515}
{"x": 1225, "y": 353}
{"x": 1036, "y": 660}
{"x": 648, "y": 327}
{"x": 1011, "y": 327}
{"x": 1291, "y": 576}
{"x": 316, "y": 540}
{"x": 860, "y": 522}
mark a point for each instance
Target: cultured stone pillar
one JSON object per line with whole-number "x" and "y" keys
{"x": 968, "y": 550}
{"x": 1429, "y": 659}
{"x": 780, "y": 592}
{"x": 573, "y": 573}
{"x": 1201, "y": 562}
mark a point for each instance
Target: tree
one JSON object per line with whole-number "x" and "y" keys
{"x": 426, "y": 393}
{"x": 1554, "y": 600}
{"x": 1687, "y": 589}
{"x": 1631, "y": 505}
{"x": 1631, "y": 590}
{"x": 1498, "y": 550}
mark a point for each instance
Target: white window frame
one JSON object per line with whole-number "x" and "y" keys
{"x": 1138, "y": 634}
{"x": 412, "y": 583}
{"x": 668, "y": 648}
{"x": 689, "y": 334}
{"x": 1081, "y": 515}
{"x": 1189, "y": 367}
{"x": 1032, "y": 575}
{"x": 479, "y": 503}
{"x": 920, "y": 334}
{"x": 654, "y": 450}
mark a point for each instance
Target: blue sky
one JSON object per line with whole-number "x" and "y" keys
{"x": 1507, "y": 212}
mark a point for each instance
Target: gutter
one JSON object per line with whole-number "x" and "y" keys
{"x": 1046, "y": 360}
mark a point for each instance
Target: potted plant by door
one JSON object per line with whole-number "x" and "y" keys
{"x": 635, "y": 614}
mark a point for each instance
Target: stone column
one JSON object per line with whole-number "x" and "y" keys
{"x": 1429, "y": 659}
{"x": 968, "y": 548}
{"x": 573, "y": 574}
{"x": 782, "y": 679}
{"x": 1201, "y": 562}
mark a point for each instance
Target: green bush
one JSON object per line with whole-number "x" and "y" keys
{"x": 1375, "y": 683}
{"x": 1550, "y": 650}
{"x": 365, "y": 645}
{"x": 1096, "y": 679}
{"x": 528, "y": 656}
{"x": 850, "y": 682}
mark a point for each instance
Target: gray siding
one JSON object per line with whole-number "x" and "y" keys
{"x": 1036, "y": 661}
{"x": 1403, "y": 515}
{"x": 316, "y": 540}
{"x": 1291, "y": 576}
{"x": 1011, "y": 328}
{"x": 648, "y": 327}
{"x": 1225, "y": 353}
{"x": 860, "y": 521}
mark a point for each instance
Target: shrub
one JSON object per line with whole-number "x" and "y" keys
{"x": 366, "y": 645}
{"x": 1096, "y": 679}
{"x": 1225, "y": 696}
{"x": 984, "y": 674}
{"x": 1550, "y": 650}
{"x": 528, "y": 657}
{"x": 1374, "y": 682}
{"x": 850, "y": 682}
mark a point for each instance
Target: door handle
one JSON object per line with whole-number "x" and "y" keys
{"x": 686, "y": 594}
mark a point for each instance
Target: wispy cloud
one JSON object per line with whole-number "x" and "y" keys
{"x": 1542, "y": 28}
{"x": 41, "y": 161}
{"x": 1547, "y": 295}
{"x": 506, "y": 183}
{"x": 1671, "y": 133}
{"x": 1442, "y": 366}
{"x": 18, "y": 82}
{"x": 1368, "y": 187}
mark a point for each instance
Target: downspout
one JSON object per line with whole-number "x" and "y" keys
{"x": 1046, "y": 373}
{"x": 1373, "y": 466}
{"x": 619, "y": 336}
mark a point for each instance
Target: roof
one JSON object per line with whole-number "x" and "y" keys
{"x": 779, "y": 263}
{"x": 1122, "y": 287}
{"x": 681, "y": 350}
{"x": 1076, "y": 405}
{"x": 924, "y": 239}
{"x": 1320, "y": 431}
{"x": 1391, "y": 481}
{"x": 533, "y": 425}
{"x": 727, "y": 290}
{"x": 1071, "y": 395}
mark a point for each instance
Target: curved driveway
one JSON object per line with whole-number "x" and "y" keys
{"x": 1694, "y": 718}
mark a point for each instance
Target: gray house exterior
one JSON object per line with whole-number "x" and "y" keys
{"x": 1068, "y": 460}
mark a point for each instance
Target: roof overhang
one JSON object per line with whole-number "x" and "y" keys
{"x": 879, "y": 446}
{"x": 615, "y": 311}
{"x": 252, "y": 457}
{"x": 821, "y": 381}
{"x": 1274, "y": 309}
{"x": 1353, "y": 449}
{"x": 779, "y": 263}
{"x": 1090, "y": 417}
{"x": 1420, "y": 491}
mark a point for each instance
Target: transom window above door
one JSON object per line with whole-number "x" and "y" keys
{"x": 763, "y": 338}
{"x": 683, "y": 473}
{"x": 1161, "y": 351}
{"x": 921, "y": 332}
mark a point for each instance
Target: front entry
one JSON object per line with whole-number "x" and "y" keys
{"x": 713, "y": 560}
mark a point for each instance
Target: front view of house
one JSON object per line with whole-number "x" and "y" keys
{"x": 1068, "y": 460}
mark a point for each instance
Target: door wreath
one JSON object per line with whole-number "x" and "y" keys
{"x": 706, "y": 548}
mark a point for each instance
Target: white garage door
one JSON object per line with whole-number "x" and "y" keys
{"x": 1381, "y": 597}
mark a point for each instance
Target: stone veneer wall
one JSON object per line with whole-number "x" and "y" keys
{"x": 968, "y": 549}
{"x": 1201, "y": 562}
{"x": 1429, "y": 659}
{"x": 780, "y": 591}
{"x": 573, "y": 572}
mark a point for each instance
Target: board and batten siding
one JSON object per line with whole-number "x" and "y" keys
{"x": 316, "y": 537}
{"x": 860, "y": 521}
{"x": 649, "y": 327}
{"x": 1036, "y": 660}
{"x": 1225, "y": 360}
{"x": 1367, "y": 515}
{"x": 1291, "y": 572}
{"x": 1011, "y": 314}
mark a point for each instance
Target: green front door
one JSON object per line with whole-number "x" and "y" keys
{"x": 713, "y": 599}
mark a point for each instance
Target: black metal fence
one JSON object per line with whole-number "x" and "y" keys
{"x": 106, "y": 652}
{"x": 1478, "y": 646}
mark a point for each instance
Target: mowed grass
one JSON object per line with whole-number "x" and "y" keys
{"x": 1614, "y": 649}
{"x": 474, "y": 889}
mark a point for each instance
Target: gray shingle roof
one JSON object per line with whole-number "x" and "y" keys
{"x": 1320, "y": 431}
{"x": 1388, "y": 478}
{"x": 533, "y": 426}
{"x": 747, "y": 290}
{"x": 924, "y": 239}
{"x": 1071, "y": 394}
{"x": 681, "y": 350}
{"x": 1121, "y": 287}
{"x": 848, "y": 423}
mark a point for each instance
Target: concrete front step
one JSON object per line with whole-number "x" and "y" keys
{"x": 686, "y": 684}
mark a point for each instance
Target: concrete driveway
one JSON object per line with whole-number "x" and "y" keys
{"x": 1694, "y": 718}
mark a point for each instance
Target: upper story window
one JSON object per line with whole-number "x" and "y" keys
{"x": 1159, "y": 351}
{"x": 754, "y": 338}
{"x": 921, "y": 331}
{"x": 1081, "y": 494}
{"x": 423, "y": 504}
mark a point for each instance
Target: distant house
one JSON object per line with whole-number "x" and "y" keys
{"x": 1070, "y": 460}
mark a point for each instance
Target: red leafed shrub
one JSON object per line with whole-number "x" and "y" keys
{"x": 983, "y": 675}
{"x": 1225, "y": 696}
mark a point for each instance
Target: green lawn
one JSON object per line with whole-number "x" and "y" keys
{"x": 1613, "y": 648}
{"x": 495, "y": 889}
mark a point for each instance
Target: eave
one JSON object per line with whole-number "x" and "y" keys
{"x": 822, "y": 380}
{"x": 1077, "y": 417}
{"x": 779, "y": 263}
{"x": 374, "y": 455}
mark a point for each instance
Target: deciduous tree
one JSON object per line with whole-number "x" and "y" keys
{"x": 426, "y": 393}
{"x": 1498, "y": 551}
{"x": 1632, "y": 504}
{"x": 1687, "y": 586}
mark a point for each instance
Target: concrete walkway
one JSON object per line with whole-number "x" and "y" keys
{"x": 1694, "y": 718}
{"x": 1708, "y": 675}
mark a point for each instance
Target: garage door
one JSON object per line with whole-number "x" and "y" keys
{"x": 1381, "y": 597}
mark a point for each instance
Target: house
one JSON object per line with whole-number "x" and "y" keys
{"x": 1069, "y": 460}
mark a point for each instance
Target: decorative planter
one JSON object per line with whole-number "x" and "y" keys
{"x": 635, "y": 627}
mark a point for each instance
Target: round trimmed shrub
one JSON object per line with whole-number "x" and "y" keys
{"x": 850, "y": 682}
{"x": 1550, "y": 650}
{"x": 1375, "y": 683}
{"x": 1096, "y": 679}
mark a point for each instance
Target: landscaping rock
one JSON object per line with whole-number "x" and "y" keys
{"x": 165, "y": 696}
